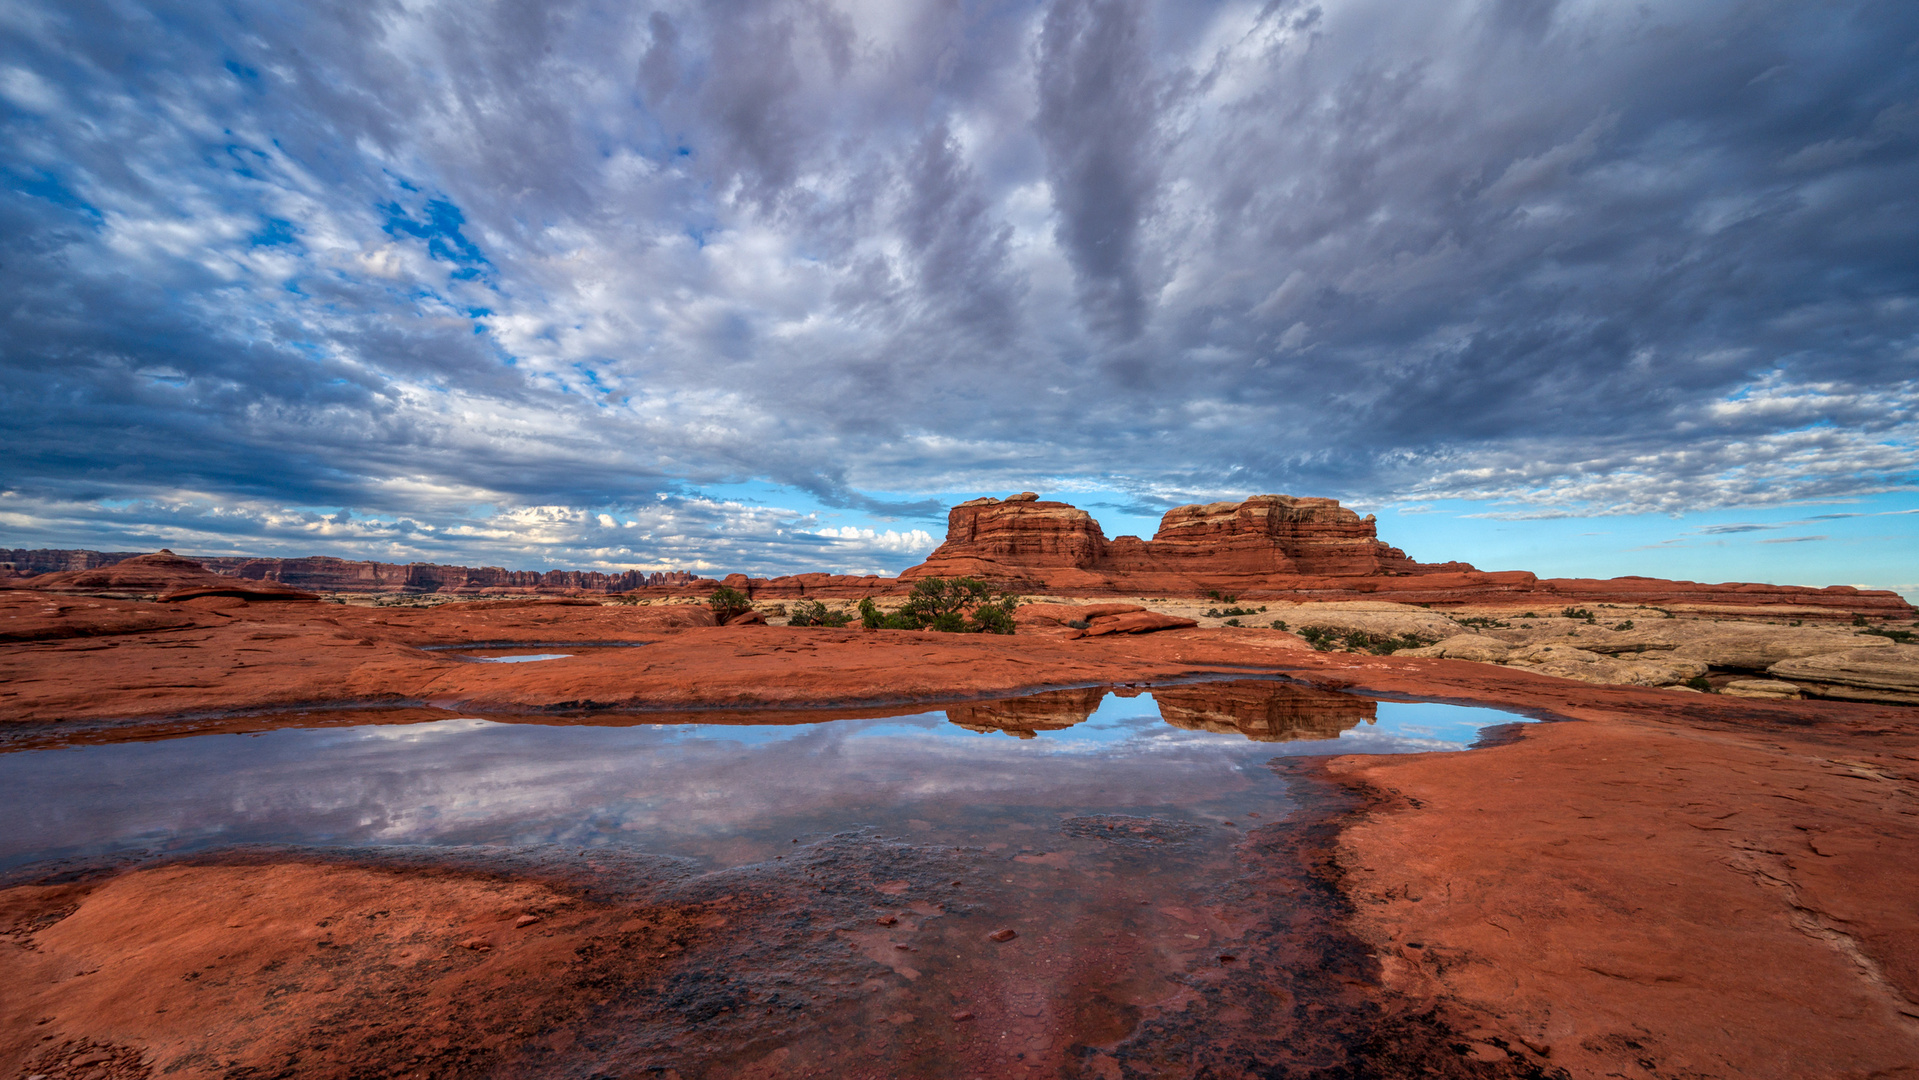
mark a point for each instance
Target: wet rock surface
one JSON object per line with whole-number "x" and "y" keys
{"x": 855, "y": 957}
{"x": 1717, "y": 896}
{"x": 1711, "y": 883}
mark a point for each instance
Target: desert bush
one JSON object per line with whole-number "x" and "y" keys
{"x": 727, "y": 603}
{"x": 814, "y": 613}
{"x": 1326, "y": 638}
{"x": 1577, "y": 613}
{"x": 959, "y": 606}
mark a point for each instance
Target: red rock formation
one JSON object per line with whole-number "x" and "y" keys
{"x": 325, "y": 574}
{"x": 1060, "y": 547}
{"x": 164, "y": 575}
{"x": 1272, "y": 547}
{"x": 1094, "y": 620}
{"x": 23, "y": 562}
{"x": 322, "y": 573}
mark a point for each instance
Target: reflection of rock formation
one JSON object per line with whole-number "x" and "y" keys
{"x": 1052, "y": 710}
{"x": 1263, "y": 711}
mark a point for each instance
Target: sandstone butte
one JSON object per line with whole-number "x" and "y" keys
{"x": 1677, "y": 884}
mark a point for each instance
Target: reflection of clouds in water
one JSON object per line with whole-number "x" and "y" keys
{"x": 471, "y": 780}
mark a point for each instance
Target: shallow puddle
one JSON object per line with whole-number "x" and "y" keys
{"x": 986, "y": 774}
{"x": 1060, "y": 884}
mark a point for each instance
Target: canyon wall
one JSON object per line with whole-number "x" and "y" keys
{"x": 324, "y": 574}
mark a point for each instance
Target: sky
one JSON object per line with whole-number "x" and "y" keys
{"x": 1577, "y": 287}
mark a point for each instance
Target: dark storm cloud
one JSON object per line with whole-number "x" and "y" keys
{"x": 1097, "y": 120}
{"x": 451, "y": 264}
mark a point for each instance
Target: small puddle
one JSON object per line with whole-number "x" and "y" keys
{"x": 1106, "y": 828}
{"x": 514, "y": 658}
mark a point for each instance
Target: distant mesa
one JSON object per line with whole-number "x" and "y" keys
{"x": 325, "y": 574}
{"x": 165, "y": 576}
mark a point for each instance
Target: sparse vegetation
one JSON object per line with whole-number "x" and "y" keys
{"x": 1326, "y": 639}
{"x": 1483, "y": 622}
{"x": 727, "y": 603}
{"x": 1222, "y": 597}
{"x": 1079, "y": 624}
{"x": 1231, "y": 622}
{"x": 1279, "y": 624}
{"x": 1698, "y": 682}
{"x": 1627, "y": 625}
{"x": 814, "y": 613}
{"x": 1858, "y": 620}
{"x": 1903, "y": 637}
{"x": 1578, "y": 613}
{"x": 960, "y": 606}
{"x": 1232, "y": 612}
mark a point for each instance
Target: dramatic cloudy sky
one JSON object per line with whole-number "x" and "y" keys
{"x": 763, "y": 286}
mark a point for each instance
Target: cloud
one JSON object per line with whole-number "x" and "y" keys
{"x": 443, "y": 263}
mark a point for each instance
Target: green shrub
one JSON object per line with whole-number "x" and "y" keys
{"x": 726, "y": 603}
{"x": 959, "y": 606}
{"x": 1325, "y": 639}
{"x": 814, "y": 613}
{"x": 1279, "y": 624}
{"x": 1698, "y": 682}
{"x": 1577, "y": 613}
{"x": 1627, "y": 625}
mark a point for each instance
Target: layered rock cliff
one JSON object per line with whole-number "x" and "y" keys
{"x": 1228, "y": 545}
{"x": 1279, "y": 547}
{"x": 161, "y": 575}
{"x": 325, "y": 574}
